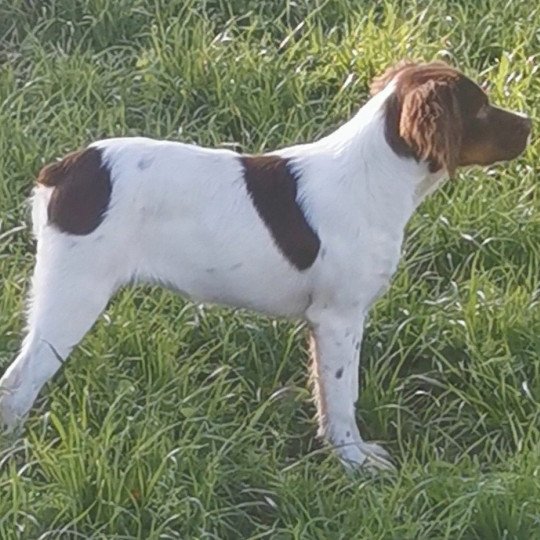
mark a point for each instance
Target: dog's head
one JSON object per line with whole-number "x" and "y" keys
{"x": 438, "y": 115}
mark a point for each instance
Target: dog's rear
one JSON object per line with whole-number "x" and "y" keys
{"x": 137, "y": 210}
{"x": 69, "y": 286}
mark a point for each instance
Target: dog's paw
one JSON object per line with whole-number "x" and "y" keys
{"x": 363, "y": 455}
{"x": 376, "y": 457}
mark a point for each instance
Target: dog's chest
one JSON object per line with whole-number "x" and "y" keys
{"x": 369, "y": 265}
{"x": 360, "y": 253}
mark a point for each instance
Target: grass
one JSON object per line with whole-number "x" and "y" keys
{"x": 174, "y": 420}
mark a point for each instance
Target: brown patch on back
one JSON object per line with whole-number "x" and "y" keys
{"x": 273, "y": 190}
{"x": 82, "y": 190}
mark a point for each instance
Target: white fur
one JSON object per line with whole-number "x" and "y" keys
{"x": 180, "y": 216}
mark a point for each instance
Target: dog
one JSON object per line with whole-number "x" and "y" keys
{"x": 311, "y": 232}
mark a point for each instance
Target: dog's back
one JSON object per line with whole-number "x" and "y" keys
{"x": 168, "y": 213}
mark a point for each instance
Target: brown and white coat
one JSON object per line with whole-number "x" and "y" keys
{"x": 312, "y": 232}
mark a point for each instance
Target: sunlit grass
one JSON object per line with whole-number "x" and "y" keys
{"x": 178, "y": 421}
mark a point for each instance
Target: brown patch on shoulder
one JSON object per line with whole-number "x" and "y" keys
{"x": 272, "y": 187}
{"x": 82, "y": 190}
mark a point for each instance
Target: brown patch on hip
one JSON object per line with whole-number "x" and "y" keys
{"x": 82, "y": 190}
{"x": 273, "y": 188}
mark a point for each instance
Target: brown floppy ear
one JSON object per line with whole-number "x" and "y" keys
{"x": 381, "y": 81}
{"x": 431, "y": 124}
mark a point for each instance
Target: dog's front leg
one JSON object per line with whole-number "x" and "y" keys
{"x": 335, "y": 351}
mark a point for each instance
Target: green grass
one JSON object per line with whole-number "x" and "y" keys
{"x": 180, "y": 421}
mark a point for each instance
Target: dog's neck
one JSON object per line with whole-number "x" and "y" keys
{"x": 361, "y": 142}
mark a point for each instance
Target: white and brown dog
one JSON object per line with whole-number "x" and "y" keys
{"x": 312, "y": 232}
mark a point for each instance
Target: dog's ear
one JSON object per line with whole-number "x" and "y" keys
{"x": 381, "y": 81}
{"x": 431, "y": 124}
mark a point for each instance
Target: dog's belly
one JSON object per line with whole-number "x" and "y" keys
{"x": 263, "y": 295}
{"x": 220, "y": 266}
{"x": 240, "y": 285}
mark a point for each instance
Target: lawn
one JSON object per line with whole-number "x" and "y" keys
{"x": 175, "y": 420}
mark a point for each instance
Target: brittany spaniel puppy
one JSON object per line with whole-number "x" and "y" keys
{"x": 310, "y": 232}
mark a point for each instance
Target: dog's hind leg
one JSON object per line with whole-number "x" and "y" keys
{"x": 72, "y": 283}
